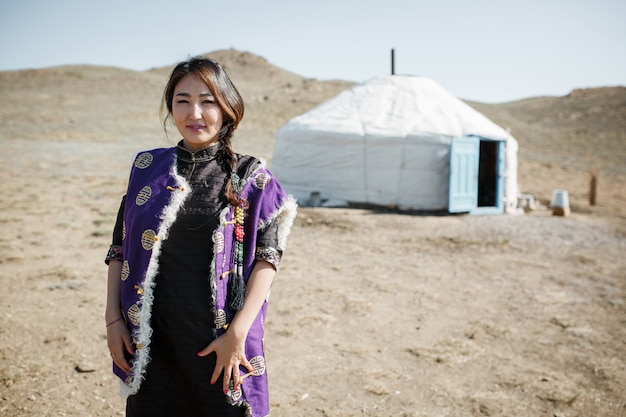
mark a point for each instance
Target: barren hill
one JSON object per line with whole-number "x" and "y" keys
{"x": 561, "y": 138}
{"x": 584, "y": 130}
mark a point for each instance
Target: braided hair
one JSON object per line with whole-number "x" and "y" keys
{"x": 229, "y": 100}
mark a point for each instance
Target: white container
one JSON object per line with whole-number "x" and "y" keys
{"x": 560, "y": 203}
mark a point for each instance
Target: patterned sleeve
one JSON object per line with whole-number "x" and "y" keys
{"x": 267, "y": 248}
{"x": 115, "y": 250}
{"x": 267, "y": 245}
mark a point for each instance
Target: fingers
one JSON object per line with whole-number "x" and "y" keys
{"x": 122, "y": 363}
{"x": 210, "y": 348}
{"x": 231, "y": 373}
{"x": 247, "y": 365}
{"x": 227, "y": 375}
{"x": 228, "y": 360}
{"x": 128, "y": 344}
{"x": 119, "y": 343}
{"x": 207, "y": 350}
{"x": 117, "y": 354}
{"x": 216, "y": 374}
{"x": 237, "y": 376}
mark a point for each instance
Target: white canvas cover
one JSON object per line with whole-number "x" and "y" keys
{"x": 385, "y": 142}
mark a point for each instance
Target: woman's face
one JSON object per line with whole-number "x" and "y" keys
{"x": 196, "y": 113}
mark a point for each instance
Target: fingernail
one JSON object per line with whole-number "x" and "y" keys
{"x": 199, "y": 353}
{"x": 225, "y": 391}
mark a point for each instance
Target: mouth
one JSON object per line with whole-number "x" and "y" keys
{"x": 195, "y": 127}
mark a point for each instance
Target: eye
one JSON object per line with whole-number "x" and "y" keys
{"x": 182, "y": 101}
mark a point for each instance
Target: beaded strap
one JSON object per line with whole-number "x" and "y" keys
{"x": 239, "y": 234}
{"x": 236, "y": 282}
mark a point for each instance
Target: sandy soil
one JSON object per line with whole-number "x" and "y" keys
{"x": 374, "y": 313}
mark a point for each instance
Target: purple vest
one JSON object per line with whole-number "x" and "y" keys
{"x": 155, "y": 194}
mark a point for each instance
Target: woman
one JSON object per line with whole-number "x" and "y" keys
{"x": 198, "y": 238}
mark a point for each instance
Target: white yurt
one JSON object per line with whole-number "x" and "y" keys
{"x": 398, "y": 141}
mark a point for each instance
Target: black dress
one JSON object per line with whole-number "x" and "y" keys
{"x": 177, "y": 381}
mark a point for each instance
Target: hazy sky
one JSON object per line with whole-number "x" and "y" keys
{"x": 489, "y": 51}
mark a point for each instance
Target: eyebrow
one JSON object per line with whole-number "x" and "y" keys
{"x": 189, "y": 95}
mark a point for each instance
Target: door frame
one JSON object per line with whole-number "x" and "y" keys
{"x": 463, "y": 184}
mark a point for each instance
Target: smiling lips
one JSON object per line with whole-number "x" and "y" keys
{"x": 195, "y": 127}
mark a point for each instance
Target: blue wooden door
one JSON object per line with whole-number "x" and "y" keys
{"x": 464, "y": 159}
{"x": 501, "y": 176}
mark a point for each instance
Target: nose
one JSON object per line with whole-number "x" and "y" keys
{"x": 196, "y": 111}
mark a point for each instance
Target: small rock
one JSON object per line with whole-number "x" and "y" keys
{"x": 84, "y": 367}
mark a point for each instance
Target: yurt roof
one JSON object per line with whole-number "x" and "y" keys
{"x": 397, "y": 106}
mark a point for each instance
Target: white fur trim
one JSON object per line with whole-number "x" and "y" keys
{"x": 125, "y": 390}
{"x": 213, "y": 277}
{"x": 168, "y": 217}
{"x": 285, "y": 217}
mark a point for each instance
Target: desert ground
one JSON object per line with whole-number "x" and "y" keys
{"x": 374, "y": 312}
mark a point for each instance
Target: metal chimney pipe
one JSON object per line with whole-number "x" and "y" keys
{"x": 393, "y": 62}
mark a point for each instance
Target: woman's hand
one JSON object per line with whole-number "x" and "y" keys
{"x": 118, "y": 336}
{"x": 119, "y": 342}
{"x": 230, "y": 353}
{"x": 230, "y": 346}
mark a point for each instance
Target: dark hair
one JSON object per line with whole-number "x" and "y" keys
{"x": 228, "y": 98}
